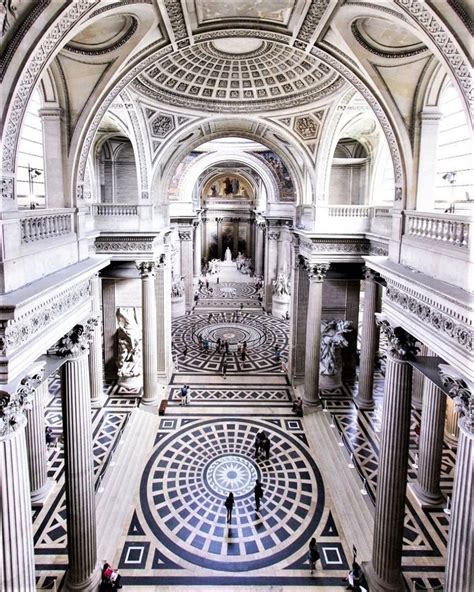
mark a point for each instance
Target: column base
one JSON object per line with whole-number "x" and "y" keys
{"x": 99, "y": 402}
{"x": 376, "y": 584}
{"x": 312, "y": 406}
{"x": 149, "y": 403}
{"x": 426, "y": 499}
{"x": 364, "y": 404}
{"x": 39, "y": 497}
{"x": 90, "y": 584}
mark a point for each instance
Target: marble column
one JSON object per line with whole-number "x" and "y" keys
{"x": 451, "y": 428}
{"x": 109, "y": 310}
{"x": 430, "y": 450}
{"x": 460, "y": 551}
{"x": 384, "y": 570}
{"x": 418, "y": 382}
{"x": 36, "y": 444}
{"x": 186, "y": 251}
{"x": 197, "y": 248}
{"x": 235, "y": 233}
{"x": 147, "y": 270}
{"x": 53, "y": 156}
{"x": 368, "y": 342}
{"x": 95, "y": 353}
{"x": 83, "y": 572}
{"x": 298, "y": 315}
{"x": 163, "y": 318}
{"x": 271, "y": 254}
{"x": 16, "y": 528}
{"x": 259, "y": 242}
{"x": 316, "y": 275}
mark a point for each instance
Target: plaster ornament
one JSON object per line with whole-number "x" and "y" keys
{"x": 332, "y": 341}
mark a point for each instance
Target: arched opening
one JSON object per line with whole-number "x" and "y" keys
{"x": 117, "y": 171}
{"x": 349, "y": 173}
{"x": 30, "y": 174}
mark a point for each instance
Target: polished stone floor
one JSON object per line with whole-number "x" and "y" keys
{"x": 161, "y": 482}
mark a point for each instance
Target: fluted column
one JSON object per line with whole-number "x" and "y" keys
{"x": 271, "y": 256}
{"x": 259, "y": 242}
{"x": 316, "y": 275}
{"x": 186, "y": 244}
{"x": 298, "y": 315}
{"x": 16, "y": 529}
{"x": 163, "y": 317}
{"x": 368, "y": 342}
{"x": 83, "y": 572}
{"x": 418, "y": 383}
{"x": 36, "y": 446}
{"x": 459, "y": 564}
{"x": 147, "y": 271}
{"x": 451, "y": 427}
{"x": 197, "y": 248}
{"x": 384, "y": 570}
{"x": 430, "y": 450}
{"x": 95, "y": 352}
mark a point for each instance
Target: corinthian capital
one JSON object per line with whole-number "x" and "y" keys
{"x": 146, "y": 268}
{"x": 76, "y": 342}
{"x": 13, "y": 405}
{"x": 401, "y": 345}
{"x": 370, "y": 275}
{"x": 318, "y": 271}
{"x": 462, "y": 393}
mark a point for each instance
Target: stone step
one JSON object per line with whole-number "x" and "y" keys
{"x": 121, "y": 480}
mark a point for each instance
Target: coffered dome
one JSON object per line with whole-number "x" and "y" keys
{"x": 224, "y": 75}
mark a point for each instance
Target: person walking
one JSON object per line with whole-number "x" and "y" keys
{"x": 185, "y": 352}
{"x": 224, "y": 369}
{"x": 258, "y": 492}
{"x": 229, "y": 506}
{"x": 266, "y": 447}
{"x": 313, "y": 554}
{"x": 226, "y": 347}
{"x": 241, "y": 306}
{"x": 183, "y": 394}
{"x": 217, "y": 279}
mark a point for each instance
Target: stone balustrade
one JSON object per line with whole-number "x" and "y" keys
{"x": 350, "y": 211}
{"x": 115, "y": 210}
{"x": 444, "y": 228}
{"x": 37, "y": 226}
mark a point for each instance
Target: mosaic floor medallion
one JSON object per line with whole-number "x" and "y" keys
{"x": 234, "y": 333}
{"x": 190, "y": 473}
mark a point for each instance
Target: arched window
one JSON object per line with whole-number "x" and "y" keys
{"x": 454, "y": 166}
{"x": 30, "y": 170}
{"x": 348, "y": 183}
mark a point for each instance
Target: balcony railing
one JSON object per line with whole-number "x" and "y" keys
{"x": 114, "y": 210}
{"x": 444, "y": 228}
{"x": 36, "y": 226}
{"x": 350, "y": 211}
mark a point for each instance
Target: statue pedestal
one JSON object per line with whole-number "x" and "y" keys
{"x": 178, "y": 308}
{"x": 130, "y": 381}
{"x": 330, "y": 383}
{"x": 280, "y": 305}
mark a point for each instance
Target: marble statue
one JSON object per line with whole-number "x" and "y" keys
{"x": 332, "y": 341}
{"x": 177, "y": 288}
{"x": 214, "y": 266}
{"x": 228, "y": 255}
{"x": 281, "y": 285}
{"x": 128, "y": 343}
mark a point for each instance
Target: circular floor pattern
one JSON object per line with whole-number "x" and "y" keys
{"x": 234, "y": 333}
{"x": 187, "y": 480}
{"x": 270, "y": 333}
{"x": 234, "y": 290}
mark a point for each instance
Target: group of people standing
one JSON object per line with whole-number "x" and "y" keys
{"x": 184, "y": 394}
{"x": 262, "y": 445}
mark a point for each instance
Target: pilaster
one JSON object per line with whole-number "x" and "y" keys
{"x": 271, "y": 254}
{"x": 259, "y": 248}
{"x": 53, "y": 156}
{"x": 163, "y": 317}
{"x": 298, "y": 315}
{"x": 186, "y": 253}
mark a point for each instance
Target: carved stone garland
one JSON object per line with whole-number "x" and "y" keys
{"x": 401, "y": 345}
{"x": 76, "y": 342}
{"x": 13, "y": 405}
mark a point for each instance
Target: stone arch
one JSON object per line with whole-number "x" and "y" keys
{"x": 191, "y": 176}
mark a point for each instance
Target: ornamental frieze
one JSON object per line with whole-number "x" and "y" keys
{"x": 347, "y": 247}
{"x": 426, "y": 313}
{"x": 15, "y": 333}
{"x": 127, "y": 245}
